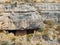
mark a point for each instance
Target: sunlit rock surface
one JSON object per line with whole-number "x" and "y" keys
{"x": 38, "y": 1}
{"x": 20, "y": 16}
{"x": 27, "y": 16}
{"x": 15, "y": 15}
{"x": 20, "y": 21}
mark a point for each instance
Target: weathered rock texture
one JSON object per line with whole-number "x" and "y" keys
{"x": 21, "y": 16}
{"x": 21, "y": 1}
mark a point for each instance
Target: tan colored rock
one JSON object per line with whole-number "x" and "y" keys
{"x": 58, "y": 28}
{"x": 20, "y": 1}
{"x": 48, "y": 1}
{"x": 57, "y": 1}
{"x": 35, "y": 0}
{"x": 7, "y": 1}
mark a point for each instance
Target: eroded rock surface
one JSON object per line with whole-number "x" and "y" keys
{"x": 24, "y": 16}
{"x": 14, "y": 16}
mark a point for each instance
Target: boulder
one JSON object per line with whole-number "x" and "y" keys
{"x": 15, "y": 21}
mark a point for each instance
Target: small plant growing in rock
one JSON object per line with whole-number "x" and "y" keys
{"x": 29, "y": 36}
{"x": 41, "y": 30}
{"x": 4, "y": 43}
{"x": 13, "y": 39}
{"x": 49, "y": 22}
{"x": 37, "y": 44}
{"x": 45, "y": 37}
{"x": 58, "y": 40}
{"x": 58, "y": 28}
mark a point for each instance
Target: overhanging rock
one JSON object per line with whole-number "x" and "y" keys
{"x": 27, "y": 16}
{"x": 20, "y": 17}
{"x": 14, "y": 21}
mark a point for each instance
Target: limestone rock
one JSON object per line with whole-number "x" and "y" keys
{"x": 23, "y": 1}
{"x": 20, "y": 21}
{"x": 20, "y": 16}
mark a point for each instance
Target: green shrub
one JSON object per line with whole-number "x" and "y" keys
{"x": 41, "y": 30}
{"x": 4, "y": 43}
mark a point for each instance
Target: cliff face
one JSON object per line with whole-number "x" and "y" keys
{"x": 21, "y": 1}
{"x": 20, "y": 16}
{"x": 27, "y": 16}
{"x": 45, "y": 1}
